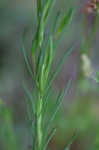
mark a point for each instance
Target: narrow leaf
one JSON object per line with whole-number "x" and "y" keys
{"x": 48, "y": 9}
{"x": 26, "y": 59}
{"x": 53, "y": 28}
{"x": 55, "y": 22}
{"x": 49, "y": 139}
{"x": 30, "y": 96}
{"x": 44, "y": 107}
{"x": 65, "y": 21}
{"x": 57, "y": 106}
{"x": 27, "y": 108}
{"x": 49, "y": 57}
{"x": 30, "y": 121}
{"x": 43, "y": 20}
{"x": 71, "y": 141}
{"x": 59, "y": 66}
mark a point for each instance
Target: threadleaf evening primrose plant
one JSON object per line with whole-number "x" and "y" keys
{"x": 42, "y": 54}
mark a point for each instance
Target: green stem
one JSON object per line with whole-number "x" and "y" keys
{"x": 39, "y": 122}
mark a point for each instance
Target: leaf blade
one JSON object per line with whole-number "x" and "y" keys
{"x": 60, "y": 97}
{"x": 66, "y": 21}
{"x": 28, "y": 93}
{"x": 49, "y": 138}
{"x": 71, "y": 141}
{"x": 29, "y": 68}
{"x": 58, "y": 67}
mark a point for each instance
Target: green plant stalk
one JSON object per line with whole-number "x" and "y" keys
{"x": 43, "y": 56}
{"x": 40, "y": 35}
{"x": 39, "y": 115}
{"x": 39, "y": 122}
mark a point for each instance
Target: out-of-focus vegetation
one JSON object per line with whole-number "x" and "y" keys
{"x": 79, "y": 111}
{"x": 7, "y": 137}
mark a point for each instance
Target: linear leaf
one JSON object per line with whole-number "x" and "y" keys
{"x": 34, "y": 48}
{"x": 58, "y": 67}
{"x": 27, "y": 108}
{"x": 55, "y": 22}
{"x": 44, "y": 107}
{"x": 48, "y": 9}
{"x": 57, "y": 106}
{"x": 71, "y": 141}
{"x": 26, "y": 58}
{"x": 49, "y": 57}
{"x": 30, "y": 98}
{"x": 61, "y": 35}
{"x": 65, "y": 21}
{"x": 43, "y": 20}
{"x": 31, "y": 123}
{"x": 53, "y": 28}
{"x": 49, "y": 139}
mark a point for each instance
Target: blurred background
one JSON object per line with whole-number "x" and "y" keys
{"x": 79, "y": 111}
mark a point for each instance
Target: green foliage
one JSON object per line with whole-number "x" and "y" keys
{"x": 42, "y": 56}
{"x": 7, "y": 137}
